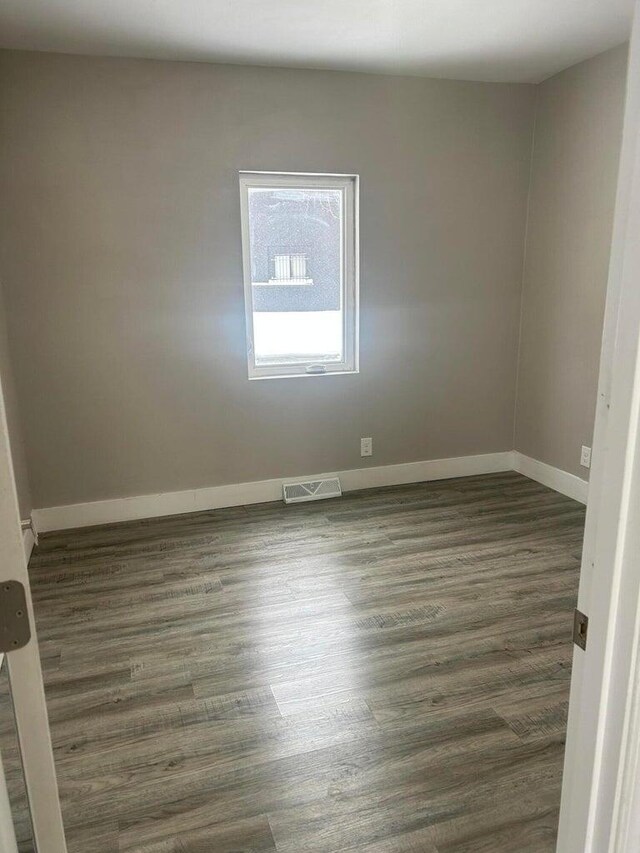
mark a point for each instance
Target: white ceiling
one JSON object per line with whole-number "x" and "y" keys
{"x": 510, "y": 40}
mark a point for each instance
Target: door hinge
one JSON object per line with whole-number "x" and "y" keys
{"x": 580, "y": 627}
{"x": 14, "y": 617}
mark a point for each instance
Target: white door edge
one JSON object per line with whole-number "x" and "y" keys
{"x": 25, "y": 673}
{"x": 598, "y": 783}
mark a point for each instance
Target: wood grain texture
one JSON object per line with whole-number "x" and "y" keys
{"x": 383, "y": 673}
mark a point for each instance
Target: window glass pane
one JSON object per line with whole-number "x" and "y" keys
{"x": 296, "y": 274}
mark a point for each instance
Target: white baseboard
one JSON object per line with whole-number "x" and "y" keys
{"x": 215, "y": 497}
{"x": 568, "y": 484}
{"x": 29, "y": 541}
{"x": 262, "y": 491}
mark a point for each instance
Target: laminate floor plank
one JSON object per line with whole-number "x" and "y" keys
{"x": 387, "y": 672}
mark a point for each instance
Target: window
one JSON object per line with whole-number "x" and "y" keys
{"x": 299, "y": 248}
{"x": 289, "y": 269}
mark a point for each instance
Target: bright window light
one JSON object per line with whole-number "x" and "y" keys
{"x": 299, "y": 244}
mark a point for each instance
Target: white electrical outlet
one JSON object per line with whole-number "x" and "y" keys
{"x": 585, "y": 457}
{"x": 366, "y": 447}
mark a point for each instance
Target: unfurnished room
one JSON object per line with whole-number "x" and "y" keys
{"x": 319, "y": 411}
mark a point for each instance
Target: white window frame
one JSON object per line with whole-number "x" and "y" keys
{"x": 349, "y": 187}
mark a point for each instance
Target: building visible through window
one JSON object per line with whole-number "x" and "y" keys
{"x": 289, "y": 269}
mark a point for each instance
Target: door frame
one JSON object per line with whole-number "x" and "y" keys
{"x": 601, "y": 784}
{"x": 25, "y": 673}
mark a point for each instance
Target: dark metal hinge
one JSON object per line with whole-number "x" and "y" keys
{"x": 14, "y": 618}
{"x": 580, "y": 627}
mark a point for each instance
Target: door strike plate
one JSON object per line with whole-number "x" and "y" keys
{"x": 14, "y": 619}
{"x": 580, "y": 626}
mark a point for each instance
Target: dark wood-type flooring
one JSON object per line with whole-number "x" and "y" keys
{"x": 383, "y": 673}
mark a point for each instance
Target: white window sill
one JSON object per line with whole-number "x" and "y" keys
{"x": 304, "y": 374}
{"x": 284, "y": 282}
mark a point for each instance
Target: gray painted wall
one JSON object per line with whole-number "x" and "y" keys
{"x": 16, "y": 433}
{"x": 573, "y": 180}
{"x": 120, "y": 241}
